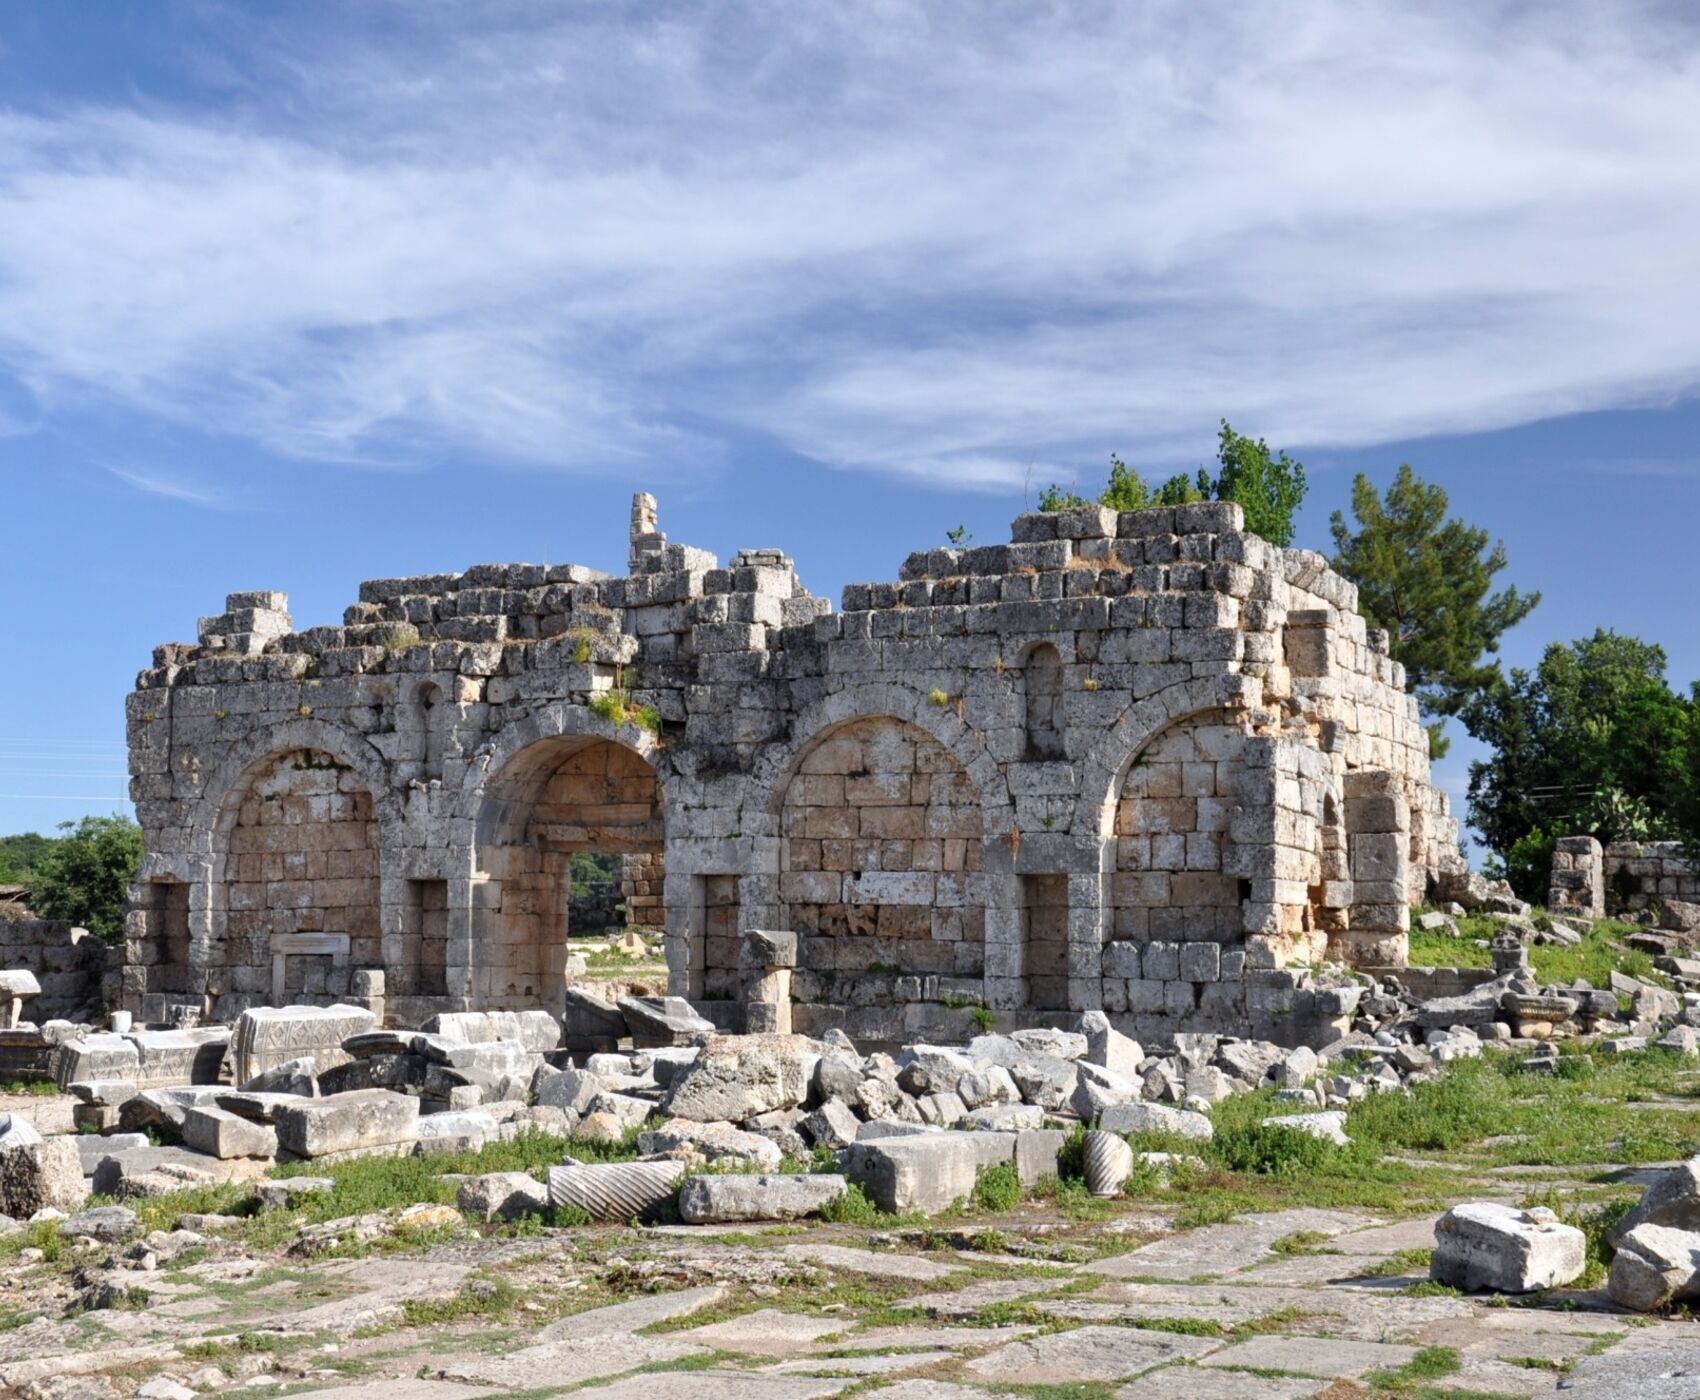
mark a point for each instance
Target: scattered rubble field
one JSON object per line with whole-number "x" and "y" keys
{"x": 1254, "y": 1265}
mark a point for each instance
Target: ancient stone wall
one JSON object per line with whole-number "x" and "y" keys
{"x": 1145, "y": 762}
{"x": 1625, "y": 877}
{"x": 69, "y": 963}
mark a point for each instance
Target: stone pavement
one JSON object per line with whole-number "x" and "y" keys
{"x": 1278, "y": 1305}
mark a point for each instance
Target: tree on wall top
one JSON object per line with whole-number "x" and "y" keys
{"x": 1267, "y": 486}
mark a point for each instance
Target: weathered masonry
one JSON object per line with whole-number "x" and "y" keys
{"x": 1145, "y": 762}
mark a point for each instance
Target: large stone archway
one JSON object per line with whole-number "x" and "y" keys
{"x": 557, "y": 797}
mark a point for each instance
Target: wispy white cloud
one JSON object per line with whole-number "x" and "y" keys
{"x": 152, "y": 483}
{"x": 948, "y": 241}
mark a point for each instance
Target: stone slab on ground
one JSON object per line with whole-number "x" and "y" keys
{"x": 1329, "y": 1358}
{"x": 720, "y": 1385}
{"x": 766, "y": 1332}
{"x": 866, "y": 1261}
{"x": 398, "y": 1388}
{"x": 1184, "y": 1382}
{"x": 360, "y": 1118}
{"x": 887, "y": 1365}
{"x": 1085, "y": 1354}
{"x": 1220, "y": 1249}
{"x": 569, "y": 1361}
{"x": 618, "y": 1318}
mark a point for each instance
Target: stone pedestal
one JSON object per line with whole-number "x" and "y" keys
{"x": 765, "y": 961}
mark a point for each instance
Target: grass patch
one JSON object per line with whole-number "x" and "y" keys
{"x": 1406, "y": 1261}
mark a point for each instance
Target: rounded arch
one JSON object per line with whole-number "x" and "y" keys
{"x": 778, "y": 765}
{"x": 1105, "y": 768}
{"x": 251, "y": 753}
{"x": 556, "y": 720}
{"x": 550, "y": 792}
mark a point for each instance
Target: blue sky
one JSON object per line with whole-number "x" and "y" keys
{"x": 298, "y": 295}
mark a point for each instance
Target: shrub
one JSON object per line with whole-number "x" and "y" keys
{"x": 998, "y": 1188}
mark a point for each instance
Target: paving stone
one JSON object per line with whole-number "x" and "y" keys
{"x": 631, "y": 1316}
{"x": 965, "y": 1302}
{"x": 570, "y": 1361}
{"x": 860, "y": 1365}
{"x": 926, "y": 1389}
{"x": 866, "y": 1261}
{"x": 399, "y": 1388}
{"x": 1220, "y": 1249}
{"x": 914, "y": 1338}
{"x": 1085, "y": 1354}
{"x": 768, "y": 1332}
{"x": 1184, "y": 1382}
{"x": 1327, "y": 1357}
{"x": 719, "y": 1385}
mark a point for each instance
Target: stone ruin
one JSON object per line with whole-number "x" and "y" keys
{"x": 1144, "y": 763}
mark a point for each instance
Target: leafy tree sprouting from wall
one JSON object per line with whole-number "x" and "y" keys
{"x": 1593, "y": 741}
{"x": 1426, "y": 579}
{"x": 85, "y": 875}
{"x": 1268, "y": 486}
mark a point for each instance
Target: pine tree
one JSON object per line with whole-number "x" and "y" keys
{"x": 1426, "y": 579}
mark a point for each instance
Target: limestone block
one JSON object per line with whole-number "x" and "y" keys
{"x": 1156, "y": 1118}
{"x": 1655, "y": 1266}
{"x": 662, "y": 1021}
{"x": 1036, "y": 1152}
{"x": 501, "y": 1196}
{"x": 266, "y": 1036}
{"x": 222, "y": 1134}
{"x": 1109, "y": 1048}
{"x": 833, "y": 1124}
{"x": 35, "y": 1175}
{"x": 96, "y": 1056}
{"x": 738, "y": 1077}
{"x": 361, "y": 1118}
{"x": 1326, "y": 1127}
{"x": 291, "y": 1077}
{"x": 1671, "y": 1201}
{"x": 536, "y": 1030}
{"x": 722, "y": 1200}
{"x": 713, "y": 1142}
{"x": 591, "y": 1022}
{"x": 1485, "y": 1245}
{"x": 925, "y": 1173}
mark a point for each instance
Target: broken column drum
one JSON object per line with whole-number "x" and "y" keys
{"x": 1144, "y": 762}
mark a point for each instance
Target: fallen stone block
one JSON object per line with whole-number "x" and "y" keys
{"x": 659, "y": 1021}
{"x": 91, "y": 1148}
{"x": 267, "y": 1036}
{"x": 592, "y": 1023}
{"x": 1097, "y": 1089}
{"x": 1326, "y": 1127}
{"x": 1108, "y": 1048}
{"x": 724, "y": 1200}
{"x": 1671, "y": 1200}
{"x": 614, "y": 1190}
{"x": 96, "y": 1056}
{"x": 536, "y": 1030}
{"x": 1036, "y": 1153}
{"x": 1003, "y": 1118}
{"x": 463, "y": 1130}
{"x": 833, "y": 1124}
{"x": 108, "y": 1224}
{"x": 1654, "y": 1267}
{"x": 165, "y": 1059}
{"x": 291, "y": 1077}
{"x": 223, "y": 1134}
{"x": 284, "y": 1192}
{"x": 737, "y": 1077}
{"x": 925, "y": 1173}
{"x": 1156, "y": 1118}
{"x": 107, "y": 1093}
{"x": 502, "y": 1196}
{"x": 39, "y": 1174}
{"x": 713, "y": 1142}
{"x": 567, "y": 1089}
{"x": 1485, "y": 1245}
{"x": 348, "y": 1122}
